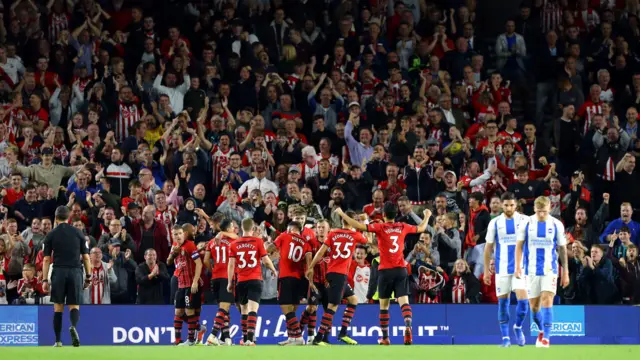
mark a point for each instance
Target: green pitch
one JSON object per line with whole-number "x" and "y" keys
{"x": 371, "y": 352}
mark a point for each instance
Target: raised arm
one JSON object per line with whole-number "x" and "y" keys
{"x": 351, "y": 222}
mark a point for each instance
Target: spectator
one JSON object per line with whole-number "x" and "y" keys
{"x": 463, "y": 287}
{"x": 629, "y": 268}
{"x": 116, "y": 234}
{"x": 360, "y": 274}
{"x": 125, "y": 268}
{"x": 29, "y": 287}
{"x": 150, "y": 277}
{"x": 448, "y": 241}
{"x": 478, "y": 220}
{"x": 149, "y": 233}
{"x": 626, "y": 212}
{"x": 597, "y": 278}
{"x": 431, "y": 283}
{"x": 103, "y": 278}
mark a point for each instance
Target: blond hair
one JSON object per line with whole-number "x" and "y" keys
{"x": 541, "y": 202}
{"x": 289, "y": 53}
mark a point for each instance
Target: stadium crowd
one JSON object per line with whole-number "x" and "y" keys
{"x": 139, "y": 115}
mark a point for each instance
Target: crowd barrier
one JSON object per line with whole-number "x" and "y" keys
{"x": 432, "y": 324}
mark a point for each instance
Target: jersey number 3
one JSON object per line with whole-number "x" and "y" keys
{"x": 394, "y": 244}
{"x": 243, "y": 263}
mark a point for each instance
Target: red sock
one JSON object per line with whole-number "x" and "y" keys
{"x": 407, "y": 314}
{"x": 177, "y": 328}
{"x": 252, "y": 320}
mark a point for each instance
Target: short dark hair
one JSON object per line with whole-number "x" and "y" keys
{"x": 296, "y": 225}
{"x": 390, "y": 210}
{"x": 507, "y": 196}
{"x": 225, "y": 224}
{"x": 62, "y": 213}
{"x": 476, "y": 195}
{"x": 625, "y": 229}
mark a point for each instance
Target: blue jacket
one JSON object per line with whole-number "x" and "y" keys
{"x": 616, "y": 224}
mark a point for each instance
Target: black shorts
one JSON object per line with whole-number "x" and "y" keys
{"x": 319, "y": 297}
{"x": 292, "y": 290}
{"x": 220, "y": 293}
{"x": 393, "y": 281}
{"x": 186, "y": 300}
{"x": 248, "y": 290}
{"x": 67, "y": 286}
{"x": 338, "y": 288}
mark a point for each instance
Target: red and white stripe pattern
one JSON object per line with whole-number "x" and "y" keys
{"x": 167, "y": 217}
{"x": 587, "y": 111}
{"x": 531, "y": 154}
{"x": 609, "y": 170}
{"x": 551, "y": 16}
{"x": 98, "y": 278}
{"x": 128, "y": 114}
{"x": 458, "y": 290}
{"x": 57, "y": 23}
{"x": 307, "y": 172}
{"x": 220, "y": 159}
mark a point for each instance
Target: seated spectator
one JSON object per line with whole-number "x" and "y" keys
{"x": 29, "y": 287}
{"x": 360, "y": 274}
{"x": 463, "y": 287}
{"x": 430, "y": 283}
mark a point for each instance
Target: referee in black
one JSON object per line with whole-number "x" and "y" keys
{"x": 69, "y": 247}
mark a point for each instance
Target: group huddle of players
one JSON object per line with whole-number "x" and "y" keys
{"x": 314, "y": 264}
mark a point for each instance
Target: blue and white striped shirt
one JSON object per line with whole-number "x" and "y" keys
{"x": 541, "y": 238}
{"x": 504, "y": 233}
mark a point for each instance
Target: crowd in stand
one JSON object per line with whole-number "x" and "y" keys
{"x": 139, "y": 115}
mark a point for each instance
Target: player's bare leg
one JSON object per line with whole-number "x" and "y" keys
{"x": 252, "y": 318}
{"x": 546, "y": 300}
{"x": 349, "y": 312}
{"x": 74, "y": 316}
{"x": 178, "y": 319}
{"x": 294, "y": 330}
{"x": 407, "y": 315}
{"x": 534, "y": 305}
{"x": 219, "y": 325}
{"x": 242, "y": 309}
{"x": 521, "y": 313}
{"x": 325, "y": 325}
{"x": 384, "y": 322}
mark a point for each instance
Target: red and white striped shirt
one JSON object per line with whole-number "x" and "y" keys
{"x": 426, "y": 282}
{"x": 307, "y": 172}
{"x": 587, "y": 111}
{"x": 220, "y": 160}
{"x": 128, "y": 114}
{"x": 167, "y": 217}
{"x": 458, "y": 290}
{"x": 551, "y": 16}
{"x": 609, "y": 170}
{"x": 57, "y": 23}
{"x": 98, "y": 278}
